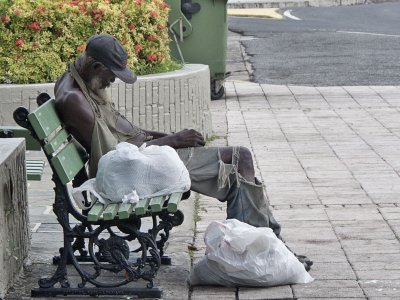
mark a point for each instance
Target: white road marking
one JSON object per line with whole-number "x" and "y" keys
{"x": 48, "y": 209}
{"x": 368, "y": 33}
{"x": 288, "y": 14}
{"x": 36, "y": 227}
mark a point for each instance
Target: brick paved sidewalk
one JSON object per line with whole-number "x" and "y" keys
{"x": 330, "y": 159}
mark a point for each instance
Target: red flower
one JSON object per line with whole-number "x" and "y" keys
{"x": 151, "y": 57}
{"x": 40, "y": 10}
{"x": 138, "y": 48}
{"x": 19, "y": 42}
{"x": 17, "y": 11}
{"x": 163, "y": 5}
{"x": 138, "y": 2}
{"x": 150, "y": 38}
{"x": 82, "y": 8}
{"x": 153, "y": 14}
{"x": 34, "y": 26}
{"x": 160, "y": 27}
{"x": 81, "y": 48}
{"x": 131, "y": 26}
{"x": 5, "y": 19}
{"x": 35, "y": 45}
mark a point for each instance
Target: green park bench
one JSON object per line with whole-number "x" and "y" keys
{"x": 101, "y": 243}
{"x": 34, "y": 167}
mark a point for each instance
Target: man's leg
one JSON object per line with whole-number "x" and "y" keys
{"x": 227, "y": 173}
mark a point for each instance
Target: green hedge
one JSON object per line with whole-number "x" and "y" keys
{"x": 39, "y": 37}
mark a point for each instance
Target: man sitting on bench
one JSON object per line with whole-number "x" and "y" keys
{"x": 85, "y": 107}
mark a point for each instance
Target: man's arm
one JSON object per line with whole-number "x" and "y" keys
{"x": 155, "y": 134}
{"x": 78, "y": 117}
{"x": 182, "y": 139}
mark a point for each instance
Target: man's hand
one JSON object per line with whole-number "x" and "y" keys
{"x": 182, "y": 139}
{"x": 188, "y": 138}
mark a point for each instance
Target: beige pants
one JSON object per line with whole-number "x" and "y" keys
{"x": 210, "y": 176}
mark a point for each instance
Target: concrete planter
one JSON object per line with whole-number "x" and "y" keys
{"x": 14, "y": 216}
{"x": 166, "y": 102}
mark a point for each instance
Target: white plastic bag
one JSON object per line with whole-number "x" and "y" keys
{"x": 239, "y": 254}
{"x": 148, "y": 171}
{"x": 89, "y": 187}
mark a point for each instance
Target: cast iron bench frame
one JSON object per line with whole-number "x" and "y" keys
{"x": 67, "y": 162}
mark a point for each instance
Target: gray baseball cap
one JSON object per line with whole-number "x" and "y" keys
{"x": 108, "y": 50}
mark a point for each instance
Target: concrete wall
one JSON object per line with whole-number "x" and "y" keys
{"x": 166, "y": 102}
{"x": 14, "y": 217}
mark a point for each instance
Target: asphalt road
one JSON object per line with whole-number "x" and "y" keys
{"x": 348, "y": 45}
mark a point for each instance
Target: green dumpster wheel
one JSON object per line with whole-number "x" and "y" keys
{"x": 216, "y": 95}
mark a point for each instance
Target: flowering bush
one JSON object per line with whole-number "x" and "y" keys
{"x": 39, "y": 37}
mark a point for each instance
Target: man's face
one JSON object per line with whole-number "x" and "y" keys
{"x": 105, "y": 76}
{"x": 100, "y": 82}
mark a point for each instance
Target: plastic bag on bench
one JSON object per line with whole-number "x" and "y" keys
{"x": 150, "y": 171}
{"x": 129, "y": 173}
{"x": 239, "y": 254}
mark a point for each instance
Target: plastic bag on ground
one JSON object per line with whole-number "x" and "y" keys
{"x": 239, "y": 254}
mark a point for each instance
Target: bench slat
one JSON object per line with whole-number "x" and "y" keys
{"x": 34, "y": 176}
{"x": 142, "y": 207}
{"x": 110, "y": 211}
{"x": 34, "y": 166}
{"x": 95, "y": 212}
{"x": 125, "y": 210}
{"x": 67, "y": 163}
{"x": 35, "y": 163}
{"x": 173, "y": 202}
{"x": 34, "y": 169}
{"x": 157, "y": 203}
{"x": 44, "y": 120}
{"x": 56, "y": 142}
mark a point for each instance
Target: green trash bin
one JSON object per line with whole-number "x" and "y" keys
{"x": 199, "y": 35}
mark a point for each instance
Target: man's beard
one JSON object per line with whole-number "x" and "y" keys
{"x": 103, "y": 94}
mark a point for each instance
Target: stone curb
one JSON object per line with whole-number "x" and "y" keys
{"x": 271, "y": 13}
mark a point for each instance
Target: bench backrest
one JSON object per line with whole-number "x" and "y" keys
{"x": 57, "y": 143}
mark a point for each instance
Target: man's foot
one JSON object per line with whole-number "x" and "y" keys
{"x": 307, "y": 263}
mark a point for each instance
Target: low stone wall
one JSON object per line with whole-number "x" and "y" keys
{"x": 166, "y": 102}
{"x": 14, "y": 216}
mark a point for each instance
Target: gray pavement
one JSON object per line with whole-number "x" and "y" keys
{"x": 330, "y": 161}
